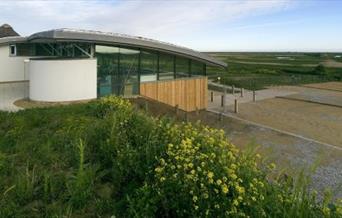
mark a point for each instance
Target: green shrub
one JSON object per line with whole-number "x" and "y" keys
{"x": 201, "y": 174}
{"x": 104, "y": 158}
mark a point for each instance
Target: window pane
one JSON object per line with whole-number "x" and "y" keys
{"x": 197, "y": 68}
{"x": 166, "y": 70}
{"x": 117, "y": 70}
{"x": 182, "y": 67}
{"x": 110, "y": 81}
{"x": 148, "y": 66}
{"x": 129, "y": 67}
{"x": 45, "y": 50}
{"x": 65, "y": 49}
{"x": 25, "y": 49}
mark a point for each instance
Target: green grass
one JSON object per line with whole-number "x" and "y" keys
{"x": 104, "y": 159}
{"x": 301, "y": 69}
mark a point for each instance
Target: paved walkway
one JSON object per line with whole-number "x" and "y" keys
{"x": 247, "y": 96}
{"x": 10, "y": 92}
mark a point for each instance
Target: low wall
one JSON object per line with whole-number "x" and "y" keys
{"x": 62, "y": 79}
{"x": 188, "y": 93}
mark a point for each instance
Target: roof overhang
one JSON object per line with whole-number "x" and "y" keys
{"x": 96, "y": 37}
{"x": 12, "y": 39}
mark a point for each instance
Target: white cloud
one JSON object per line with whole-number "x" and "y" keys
{"x": 156, "y": 19}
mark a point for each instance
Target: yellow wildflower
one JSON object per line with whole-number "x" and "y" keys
{"x": 235, "y": 203}
{"x": 233, "y": 176}
{"x": 162, "y": 161}
{"x": 224, "y": 189}
{"x": 240, "y": 189}
{"x": 158, "y": 170}
{"x": 194, "y": 198}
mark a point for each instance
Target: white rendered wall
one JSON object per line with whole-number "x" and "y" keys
{"x": 63, "y": 80}
{"x": 11, "y": 68}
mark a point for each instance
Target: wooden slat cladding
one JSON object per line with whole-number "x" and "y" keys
{"x": 187, "y": 93}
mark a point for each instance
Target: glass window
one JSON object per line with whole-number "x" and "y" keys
{"x": 149, "y": 66}
{"x": 25, "y": 49}
{"x": 182, "y": 67}
{"x": 117, "y": 70}
{"x": 129, "y": 68}
{"x": 45, "y": 50}
{"x": 166, "y": 66}
{"x": 109, "y": 79}
{"x": 67, "y": 49}
{"x": 13, "y": 50}
{"x": 197, "y": 68}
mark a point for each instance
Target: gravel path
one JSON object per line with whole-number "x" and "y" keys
{"x": 291, "y": 153}
{"x": 295, "y": 134}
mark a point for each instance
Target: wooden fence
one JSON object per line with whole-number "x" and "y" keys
{"x": 189, "y": 94}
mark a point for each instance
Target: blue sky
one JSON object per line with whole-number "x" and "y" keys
{"x": 205, "y": 25}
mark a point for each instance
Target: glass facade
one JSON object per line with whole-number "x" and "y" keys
{"x": 182, "y": 67}
{"x": 109, "y": 79}
{"x": 149, "y": 66}
{"x": 61, "y": 49}
{"x": 166, "y": 67}
{"x": 129, "y": 68}
{"x": 120, "y": 69}
{"x": 198, "y": 68}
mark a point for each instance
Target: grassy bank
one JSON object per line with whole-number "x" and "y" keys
{"x": 104, "y": 159}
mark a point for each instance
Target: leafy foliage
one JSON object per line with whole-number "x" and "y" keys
{"x": 104, "y": 158}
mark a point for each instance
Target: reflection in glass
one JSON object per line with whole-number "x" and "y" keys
{"x": 166, "y": 70}
{"x": 149, "y": 66}
{"x": 109, "y": 79}
{"x": 197, "y": 68}
{"x": 120, "y": 70}
{"x": 129, "y": 68}
{"x": 182, "y": 67}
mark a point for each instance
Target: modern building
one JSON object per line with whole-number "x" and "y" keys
{"x": 72, "y": 65}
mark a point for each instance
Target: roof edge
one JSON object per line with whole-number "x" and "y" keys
{"x": 123, "y": 39}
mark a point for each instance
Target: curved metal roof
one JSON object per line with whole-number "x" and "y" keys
{"x": 123, "y": 40}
